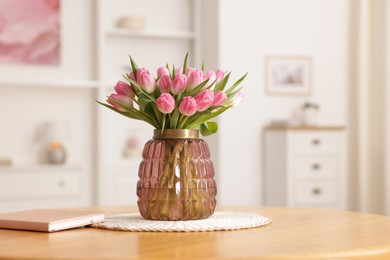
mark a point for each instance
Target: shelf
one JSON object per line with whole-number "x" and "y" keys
{"x": 39, "y": 167}
{"x": 52, "y": 84}
{"x": 125, "y": 163}
{"x": 151, "y": 34}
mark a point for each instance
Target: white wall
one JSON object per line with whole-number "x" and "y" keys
{"x": 251, "y": 29}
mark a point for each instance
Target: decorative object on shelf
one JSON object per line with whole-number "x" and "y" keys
{"x": 288, "y": 75}
{"x": 131, "y": 149}
{"x": 5, "y": 160}
{"x": 176, "y": 174}
{"x": 53, "y": 133}
{"x": 30, "y": 32}
{"x": 131, "y": 22}
{"x": 310, "y": 113}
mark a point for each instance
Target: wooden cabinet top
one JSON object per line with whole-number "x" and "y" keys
{"x": 305, "y": 128}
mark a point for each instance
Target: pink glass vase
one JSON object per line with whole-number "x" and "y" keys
{"x": 176, "y": 177}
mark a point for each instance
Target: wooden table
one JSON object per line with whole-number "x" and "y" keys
{"x": 294, "y": 234}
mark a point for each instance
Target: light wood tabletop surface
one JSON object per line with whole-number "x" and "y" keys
{"x": 293, "y": 234}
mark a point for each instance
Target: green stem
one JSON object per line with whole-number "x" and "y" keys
{"x": 183, "y": 122}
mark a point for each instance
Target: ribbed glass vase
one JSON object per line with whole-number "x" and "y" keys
{"x": 176, "y": 177}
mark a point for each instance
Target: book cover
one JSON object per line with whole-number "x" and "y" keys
{"x": 49, "y": 220}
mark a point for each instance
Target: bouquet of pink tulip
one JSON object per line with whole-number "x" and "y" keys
{"x": 178, "y": 98}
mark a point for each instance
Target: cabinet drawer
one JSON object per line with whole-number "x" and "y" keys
{"x": 315, "y": 142}
{"x": 316, "y": 167}
{"x": 38, "y": 184}
{"x": 307, "y": 193}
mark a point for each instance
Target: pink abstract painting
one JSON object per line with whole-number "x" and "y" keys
{"x": 30, "y": 31}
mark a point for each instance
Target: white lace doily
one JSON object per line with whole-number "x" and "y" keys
{"x": 218, "y": 221}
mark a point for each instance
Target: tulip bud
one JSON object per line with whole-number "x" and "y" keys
{"x": 188, "y": 106}
{"x": 179, "y": 84}
{"x": 194, "y": 79}
{"x": 165, "y": 103}
{"x": 145, "y": 80}
{"x": 237, "y": 99}
{"x": 125, "y": 100}
{"x": 124, "y": 89}
{"x": 219, "y": 98}
{"x": 178, "y": 71}
{"x": 220, "y": 74}
{"x": 164, "y": 83}
{"x": 204, "y": 99}
{"x": 162, "y": 71}
{"x": 210, "y": 75}
{"x": 189, "y": 71}
{"x": 131, "y": 76}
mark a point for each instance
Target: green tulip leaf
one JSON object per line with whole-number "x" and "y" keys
{"x": 185, "y": 64}
{"x": 143, "y": 101}
{"x": 174, "y": 118}
{"x": 130, "y": 114}
{"x": 221, "y": 85}
{"x": 134, "y": 67}
{"x": 238, "y": 82}
{"x": 208, "y": 128}
{"x": 197, "y": 89}
{"x": 232, "y": 95}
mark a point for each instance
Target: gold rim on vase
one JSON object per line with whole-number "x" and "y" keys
{"x": 176, "y": 134}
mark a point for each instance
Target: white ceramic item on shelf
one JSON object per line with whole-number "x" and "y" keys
{"x": 131, "y": 22}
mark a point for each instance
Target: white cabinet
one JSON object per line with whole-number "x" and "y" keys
{"x": 170, "y": 30}
{"x": 305, "y": 167}
{"x": 41, "y": 187}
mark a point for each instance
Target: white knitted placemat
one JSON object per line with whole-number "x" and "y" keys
{"x": 222, "y": 220}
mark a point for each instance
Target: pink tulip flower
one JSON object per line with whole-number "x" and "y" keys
{"x": 220, "y": 74}
{"x": 204, "y": 99}
{"x": 178, "y": 71}
{"x": 179, "y": 84}
{"x": 219, "y": 98}
{"x": 162, "y": 71}
{"x": 210, "y": 75}
{"x": 236, "y": 101}
{"x": 164, "y": 83}
{"x": 189, "y": 71}
{"x": 145, "y": 80}
{"x": 188, "y": 106}
{"x": 131, "y": 76}
{"x": 165, "y": 103}
{"x": 124, "y": 89}
{"x": 125, "y": 100}
{"x": 194, "y": 79}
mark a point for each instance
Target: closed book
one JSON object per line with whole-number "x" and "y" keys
{"x": 49, "y": 220}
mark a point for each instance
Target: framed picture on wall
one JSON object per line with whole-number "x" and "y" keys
{"x": 288, "y": 75}
{"x": 30, "y": 32}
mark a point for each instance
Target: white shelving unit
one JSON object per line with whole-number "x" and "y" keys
{"x": 31, "y": 94}
{"x": 152, "y": 34}
{"x": 171, "y": 30}
{"x": 88, "y": 84}
{"x": 41, "y": 186}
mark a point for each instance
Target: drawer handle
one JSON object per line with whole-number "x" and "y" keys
{"x": 316, "y": 166}
{"x": 316, "y": 142}
{"x": 316, "y": 191}
{"x": 61, "y": 184}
